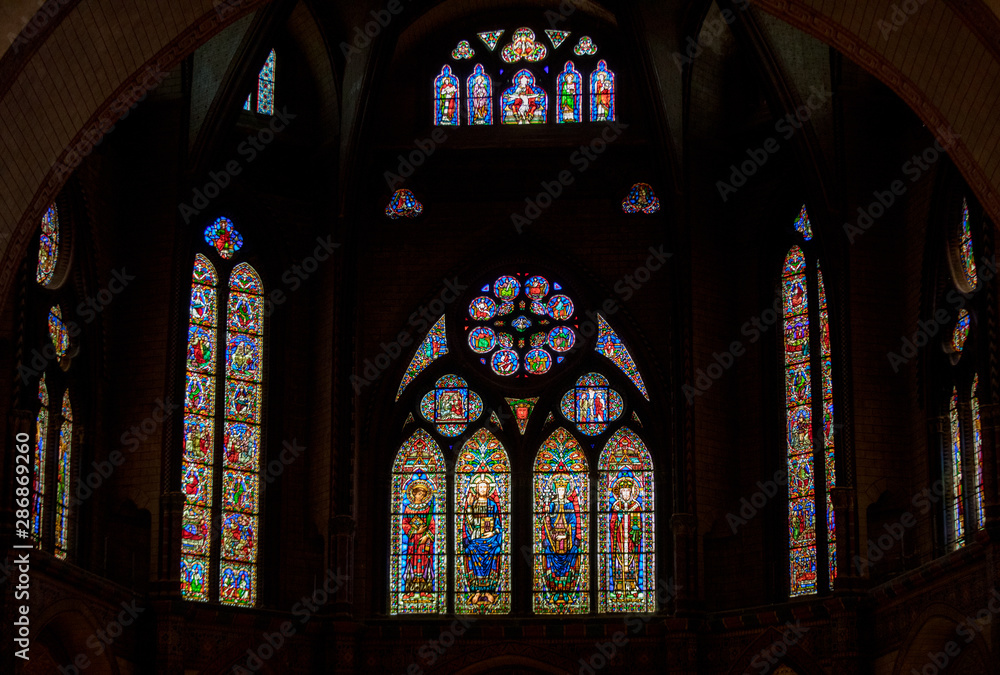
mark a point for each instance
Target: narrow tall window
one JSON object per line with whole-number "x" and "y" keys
{"x": 41, "y": 447}
{"x": 64, "y": 461}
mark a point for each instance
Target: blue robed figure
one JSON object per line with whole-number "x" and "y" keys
{"x": 561, "y": 543}
{"x": 482, "y": 540}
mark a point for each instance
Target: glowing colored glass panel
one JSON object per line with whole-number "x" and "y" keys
{"x": 223, "y": 237}
{"x": 480, "y": 96}
{"x": 585, "y": 47}
{"x": 556, "y": 37}
{"x": 48, "y": 246}
{"x": 592, "y": 404}
{"x": 482, "y": 526}
{"x": 523, "y": 45}
{"x": 522, "y": 408}
{"x": 242, "y": 413}
{"x": 569, "y": 86}
{"x": 418, "y": 541}
{"x": 490, "y": 38}
{"x": 403, "y": 204}
{"x": 41, "y": 447}
{"x": 641, "y": 199}
{"x": 829, "y": 447}
{"x": 463, "y": 51}
{"x": 965, "y": 249}
{"x": 523, "y": 102}
{"x": 58, "y": 332}
{"x": 451, "y": 405}
{"x": 956, "y": 494}
{"x": 961, "y": 332}
{"x": 802, "y": 224}
{"x": 64, "y": 462}
{"x": 798, "y": 413}
{"x": 611, "y": 346}
{"x": 626, "y": 548}
{"x": 446, "y": 98}
{"x": 977, "y": 442}
{"x": 561, "y": 495}
{"x": 265, "y": 86}
{"x": 602, "y": 94}
{"x": 433, "y": 346}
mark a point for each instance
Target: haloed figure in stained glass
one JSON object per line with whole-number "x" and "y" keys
{"x": 626, "y": 535}
{"x": 561, "y": 538}
{"x": 418, "y": 528}
{"x": 482, "y": 540}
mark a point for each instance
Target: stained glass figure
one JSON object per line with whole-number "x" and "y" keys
{"x": 626, "y": 547}
{"x": 58, "y": 332}
{"x": 561, "y": 538}
{"x": 451, "y": 405}
{"x": 241, "y": 459}
{"x": 523, "y": 102}
{"x": 48, "y": 247}
{"x": 961, "y": 332}
{"x": 265, "y": 86}
{"x": 39, "y": 461}
{"x": 829, "y": 447}
{"x": 418, "y": 540}
{"x": 433, "y": 346}
{"x": 956, "y": 495}
{"x": 197, "y": 466}
{"x": 611, "y": 346}
{"x": 965, "y": 250}
{"x": 522, "y": 408}
{"x": 463, "y": 51}
{"x": 592, "y": 404}
{"x": 641, "y": 199}
{"x": 403, "y": 204}
{"x": 64, "y": 463}
{"x": 569, "y": 87}
{"x": 482, "y": 526}
{"x": 223, "y": 237}
{"x": 602, "y": 93}
{"x": 977, "y": 445}
{"x": 556, "y": 37}
{"x": 523, "y": 45}
{"x": 802, "y": 224}
{"x": 446, "y": 98}
{"x": 479, "y": 88}
{"x": 585, "y": 47}
{"x": 798, "y": 411}
{"x": 490, "y": 38}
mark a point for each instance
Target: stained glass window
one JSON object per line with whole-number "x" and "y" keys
{"x": 626, "y": 546}
{"x": 826, "y": 370}
{"x": 641, "y": 199}
{"x": 523, "y": 45}
{"x": 956, "y": 496}
{"x": 265, "y": 86}
{"x": 463, "y": 51}
{"x": 602, "y": 93}
{"x": 490, "y": 38}
{"x": 58, "y": 331}
{"x": 522, "y": 408}
{"x": 223, "y": 237}
{"x": 523, "y": 102}
{"x": 418, "y": 544}
{"x": 592, "y": 404}
{"x": 482, "y": 526}
{"x": 977, "y": 444}
{"x": 48, "y": 246}
{"x": 798, "y": 412}
{"x": 569, "y": 86}
{"x": 433, "y": 346}
{"x": 802, "y": 224}
{"x": 41, "y": 445}
{"x": 197, "y": 467}
{"x": 556, "y": 37}
{"x": 585, "y": 47}
{"x": 961, "y": 332}
{"x": 965, "y": 249}
{"x": 480, "y": 90}
{"x": 403, "y": 204}
{"x": 561, "y": 495}
{"x": 63, "y": 476}
{"x": 518, "y": 322}
{"x": 240, "y": 460}
{"x": 610, "y": 346}
{"x": 446, "y": 98}
{"x": 451, "y": 406}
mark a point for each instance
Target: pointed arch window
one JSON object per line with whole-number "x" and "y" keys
{"x": 263, "y": 97}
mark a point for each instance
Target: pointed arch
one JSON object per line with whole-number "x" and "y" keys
{"x": 418, "y": 581}
{"x": 479, "y": 87}
{"x": 626, "y": 548}
{"x": 64, "y": 464}
{"x": 561, "y": 496}
{"x": 482, "y": 526}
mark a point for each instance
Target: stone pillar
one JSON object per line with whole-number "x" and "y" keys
{"x": 685, "y": 529}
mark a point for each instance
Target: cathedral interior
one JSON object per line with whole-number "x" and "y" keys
{"x": 700, "y": 374}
